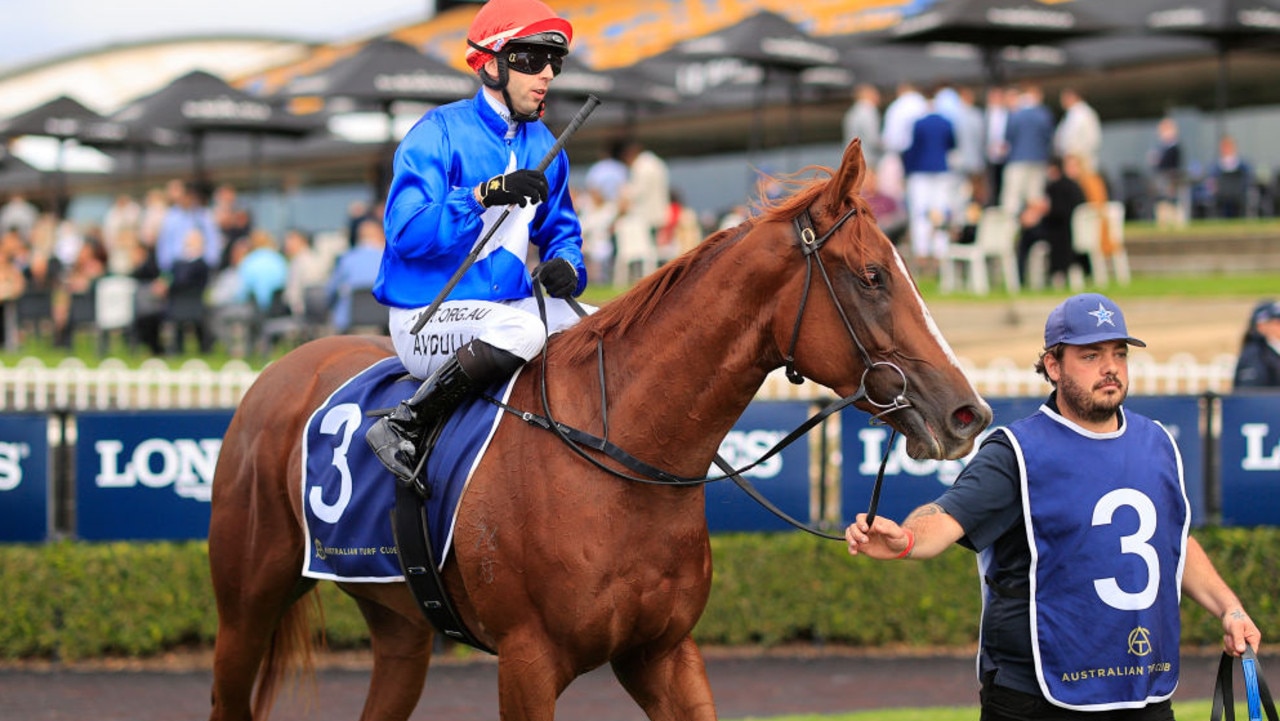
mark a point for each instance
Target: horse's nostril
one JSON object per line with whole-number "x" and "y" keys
{"x": 965, "y": 416}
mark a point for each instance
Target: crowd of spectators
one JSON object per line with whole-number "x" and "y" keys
{"x": 204, "y": 275}
{"x": 633, "y": 219}
{"x": 940, "y": 157}
{"x": 936, "y": 157}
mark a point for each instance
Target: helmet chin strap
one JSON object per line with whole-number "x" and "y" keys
{"x": 500, "y": 83}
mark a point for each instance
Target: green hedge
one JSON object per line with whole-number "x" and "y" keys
{"x": 77, "y": 600}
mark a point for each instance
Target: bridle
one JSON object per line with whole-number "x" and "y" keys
{"x": 579, "y": 441}
{"x": 810, "y": 244}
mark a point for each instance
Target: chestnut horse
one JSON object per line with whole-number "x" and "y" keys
{"x": 556, "y": 564}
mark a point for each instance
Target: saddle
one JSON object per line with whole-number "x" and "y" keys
{"x": 346, "y": 521}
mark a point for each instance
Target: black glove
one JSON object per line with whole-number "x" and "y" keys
{"x": 517, "y": 187}
{"x": 558, "y": 276}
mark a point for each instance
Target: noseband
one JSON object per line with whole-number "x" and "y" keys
{"x": 810, "y": 244}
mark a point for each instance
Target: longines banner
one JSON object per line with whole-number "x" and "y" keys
{"x": 25, "y": 506}
{"x": 909, "y": 483}
{"x": 147, "y": 474}
{"x": 783, "y": 478}
{"x": 1250, "y": 460}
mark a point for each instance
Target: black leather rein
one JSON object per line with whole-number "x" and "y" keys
{"x": 580, "y": 441}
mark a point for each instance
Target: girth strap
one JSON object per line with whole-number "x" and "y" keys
{"x": 417, "y": 562}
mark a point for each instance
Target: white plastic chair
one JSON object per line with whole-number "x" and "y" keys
{"x": 1119, "y": 257}
{"x": 113, "y": 307}
{"x": 1086, "y": 238}
{"x": 1037, "y": 266}
{"x": 996, "y": 239}
{"x": 636, "y": 251}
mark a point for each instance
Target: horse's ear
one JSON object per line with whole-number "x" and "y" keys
{"x": 848, "y": 178}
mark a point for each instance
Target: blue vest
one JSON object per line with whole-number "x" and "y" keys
{"x": 1107, "y": 521}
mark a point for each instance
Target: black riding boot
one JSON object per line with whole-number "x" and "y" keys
{"x": 397, "y": 438}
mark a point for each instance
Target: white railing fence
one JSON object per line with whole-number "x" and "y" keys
{"x": 71, "y": 385}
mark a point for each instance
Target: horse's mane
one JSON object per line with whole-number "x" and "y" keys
{"x": 637, "y": 305}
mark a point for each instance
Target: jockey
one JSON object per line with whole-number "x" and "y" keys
{"x": 455, "y": 173}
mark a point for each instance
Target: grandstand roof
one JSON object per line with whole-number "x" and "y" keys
{"x": 107, "y": 77}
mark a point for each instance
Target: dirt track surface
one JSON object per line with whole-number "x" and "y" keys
{"x": 1014, "y": 330}
{"x": 746, "y": 685}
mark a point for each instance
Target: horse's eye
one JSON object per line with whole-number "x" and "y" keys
{"x": 871, "y": 277}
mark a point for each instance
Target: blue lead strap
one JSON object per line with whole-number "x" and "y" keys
{"x": 1249, "y": 664}
{"x": 1257, "y": 696}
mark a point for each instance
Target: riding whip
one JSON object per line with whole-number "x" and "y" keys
{"x": 570, "y": 129}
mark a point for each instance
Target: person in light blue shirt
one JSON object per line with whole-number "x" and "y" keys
{"x": 1029, "y": 134}
{"x": 608, "y": 174}
{"x": 263, "y": 272}
{"x": 355, "y": 272}
{"x": 185, "y": 213}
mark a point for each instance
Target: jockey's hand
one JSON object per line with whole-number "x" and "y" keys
{"x": 519, "y": 187}
{"x": 558, "y": 276}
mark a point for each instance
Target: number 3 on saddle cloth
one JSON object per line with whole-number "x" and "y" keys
{"x": 347, "y": 494}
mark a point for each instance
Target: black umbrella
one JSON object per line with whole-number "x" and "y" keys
{"x": 62, "y": 119}
{"x": 760, "y": 51}
{"x": 889, "y": 64}
{"x": 627, "y": 88}
{"x": 993, "y": 25}
{"x": 199, "y": 104}
{"x": 382, "y": 73}
{"x": 112, "y": 136}
{"x": 1228, "y": 24}
{"x": 627, "y": 85}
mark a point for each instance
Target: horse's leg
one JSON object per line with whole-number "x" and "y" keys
{"x": 401, "y": 654}
{"x": 669, "y": 685}
{"x": 246, "y": 624}
{"x": 532, "y": 673}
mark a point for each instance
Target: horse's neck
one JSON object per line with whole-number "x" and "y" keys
{"x": 685, "y": 375}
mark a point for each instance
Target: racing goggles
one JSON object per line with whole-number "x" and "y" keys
{"x": 530, "y": 60}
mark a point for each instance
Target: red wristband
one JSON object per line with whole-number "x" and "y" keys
{"x": 911, "y": 544}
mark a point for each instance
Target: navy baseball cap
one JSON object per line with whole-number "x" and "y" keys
{"x": 1266, "y": 310}
{"x": 1084, "y": 319}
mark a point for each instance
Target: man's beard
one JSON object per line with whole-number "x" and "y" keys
{"x": 1081, "y": 401}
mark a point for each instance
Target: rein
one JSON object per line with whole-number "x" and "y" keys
{"x": 578, "y": 440}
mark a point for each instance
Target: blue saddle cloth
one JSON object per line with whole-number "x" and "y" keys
{"x": 347, "y": 494}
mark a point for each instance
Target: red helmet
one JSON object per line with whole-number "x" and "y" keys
{"x": 505, "y": 21}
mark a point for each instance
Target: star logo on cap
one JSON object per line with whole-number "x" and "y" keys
{"x": 1103, "y": 315}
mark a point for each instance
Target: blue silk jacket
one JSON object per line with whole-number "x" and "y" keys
{"x": 433, "y": 219}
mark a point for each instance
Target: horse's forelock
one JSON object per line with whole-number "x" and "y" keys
{"x": 809, "y": 192}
